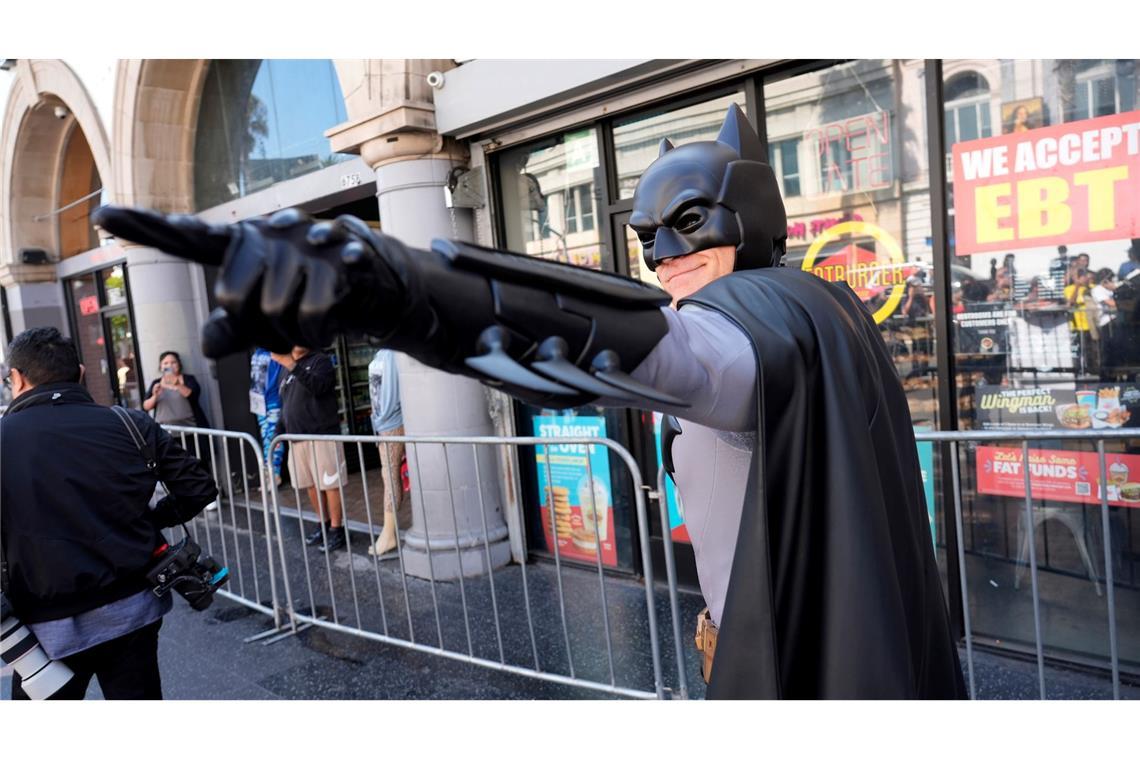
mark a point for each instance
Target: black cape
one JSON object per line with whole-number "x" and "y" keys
{"x": 834, "y": 590}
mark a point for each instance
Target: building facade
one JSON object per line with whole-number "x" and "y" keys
{"x": 974, "y": 205}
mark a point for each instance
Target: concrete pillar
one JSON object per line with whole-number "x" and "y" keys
{"x": 435, "y": 403}
{"x": 35, "y": 298}
{"x": 392, "y": 126}
{"x": 36, "y": 304}
{"x": 167, "y": 298}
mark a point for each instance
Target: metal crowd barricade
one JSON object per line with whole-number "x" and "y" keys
{"x": 500, "y": 609}
{"x": 228, "y": 529}
{"x": 954, "y": 439}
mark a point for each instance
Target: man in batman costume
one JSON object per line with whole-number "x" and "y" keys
{"x": 808, "y": 519}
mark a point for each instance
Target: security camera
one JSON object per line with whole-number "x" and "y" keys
{"x": 435, "y": 79}
{"x": 61, "y": 112}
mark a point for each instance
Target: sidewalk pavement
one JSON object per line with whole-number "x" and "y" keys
{"x": 203, "y": 657}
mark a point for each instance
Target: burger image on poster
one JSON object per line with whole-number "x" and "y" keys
{"x": 597, "y": 510}
{"x": 1074, "y": 416}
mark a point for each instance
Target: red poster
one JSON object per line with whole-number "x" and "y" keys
{"x": 1071, "y": 183}
{"x": 89, "y": 305}
{"x": 1059, "y": 475}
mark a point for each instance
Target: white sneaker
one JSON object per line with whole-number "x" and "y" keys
{"x": 212, "y": 506}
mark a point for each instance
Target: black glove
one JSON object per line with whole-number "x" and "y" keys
{"x": 285, "y": 280}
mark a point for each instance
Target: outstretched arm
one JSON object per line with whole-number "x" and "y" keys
{"x": 548, "y": 333}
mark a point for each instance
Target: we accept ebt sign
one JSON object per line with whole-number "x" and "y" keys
{"x": 1071, "y": 183}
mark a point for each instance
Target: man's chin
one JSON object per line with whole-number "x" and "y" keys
{"x": 682, "y": 291}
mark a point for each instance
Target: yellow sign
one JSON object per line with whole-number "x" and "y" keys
{"x": 887, "y": 273}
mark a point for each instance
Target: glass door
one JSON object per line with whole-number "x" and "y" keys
{"x": 104, "y": 335}
{"x": 120, "y": 340}
{"x": 87, "y": 331}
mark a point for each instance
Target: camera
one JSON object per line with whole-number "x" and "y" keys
{"x": 182, "y": 568}
{"x": 40, "y": 676}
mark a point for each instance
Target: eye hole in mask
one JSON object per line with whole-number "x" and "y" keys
{"x": 690, "y": 221}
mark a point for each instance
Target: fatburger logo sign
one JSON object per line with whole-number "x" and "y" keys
{"x": 1071, "y": 183}
{"x": 868, "y": 274}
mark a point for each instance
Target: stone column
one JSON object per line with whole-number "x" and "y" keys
{"x": 453, "y": 494}
{"x": 34, "y": 297}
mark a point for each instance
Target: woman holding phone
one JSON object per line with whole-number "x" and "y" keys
{"x": 173, "y": 397}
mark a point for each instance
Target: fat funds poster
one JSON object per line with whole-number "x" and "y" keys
{"x": 575, "y": 494}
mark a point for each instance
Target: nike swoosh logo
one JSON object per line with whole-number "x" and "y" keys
{"x": 330, "y": 480}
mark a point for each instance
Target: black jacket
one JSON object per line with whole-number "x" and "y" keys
{"x": 308, "y": 397}
{"x": 834, "y": 590}
{"x": 75, "y": 526}
{"x": 200, "y": 418}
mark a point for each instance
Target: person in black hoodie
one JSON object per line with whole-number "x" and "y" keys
{"x": 76, "y": 530}
{"x": 308, "y": 406}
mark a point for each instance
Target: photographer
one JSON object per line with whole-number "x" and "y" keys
{"x": 173, "y": 397}
{"x": 76, "y": 532}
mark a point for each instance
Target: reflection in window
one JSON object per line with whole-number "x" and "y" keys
{"x": 548, "y": 193}
{"x": 836, "y": 144}
{"x": 784, "y": 159}
{"x": 1095, "y": 91}
{"x": 637, "y": 141}
{"x": 262, "y": 122}
{"x": 967, "y": 108}
{"x": 579, "y": 209}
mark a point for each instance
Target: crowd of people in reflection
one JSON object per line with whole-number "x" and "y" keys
{"x": 1101, "y": 307}
{"x": 1100, "y": 303}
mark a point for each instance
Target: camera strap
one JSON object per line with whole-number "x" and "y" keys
{"x": 143, "y": 446}
{"x": 140, "y": 442}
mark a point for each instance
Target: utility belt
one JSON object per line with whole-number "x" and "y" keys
{"x": 706, "y": 641}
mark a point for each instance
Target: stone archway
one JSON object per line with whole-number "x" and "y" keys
{"x": 46, "y": 104}
{"x": 156, "y": 112}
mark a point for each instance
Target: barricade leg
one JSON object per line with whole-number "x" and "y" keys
{"x": 458, "y": 551}
{"x": 427, "y": 546}
{"x": 671, "y": 578}
{"x": 957, "y": 484}
{"x": 1033, "y": 570}
{"x": 1109, "y": 583}
{"x": 557, "y": 556}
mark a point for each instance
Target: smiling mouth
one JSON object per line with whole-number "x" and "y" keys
{"x": 682, "y": 269}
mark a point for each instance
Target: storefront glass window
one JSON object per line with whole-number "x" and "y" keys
{"x": 262, "y": 122}
{"x": 848, "y": 146}
{"x": 1047, "y": 337}
{"x": 550, "y": 198}
{"x": 636, "y": 142}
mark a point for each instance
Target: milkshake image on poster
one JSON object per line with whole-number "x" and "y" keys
{"x": 595, "y": 510}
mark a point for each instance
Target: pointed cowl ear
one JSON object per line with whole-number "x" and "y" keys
{"x": 739, "y": 135}
{"x": 664, "y": 147}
